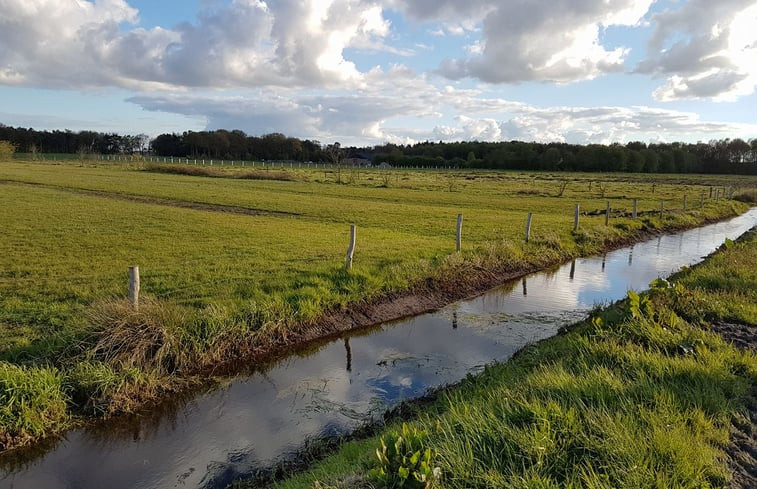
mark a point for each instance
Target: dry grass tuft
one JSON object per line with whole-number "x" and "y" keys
{"x": 150, "y": 339}
{"x": 203, "y": 171}
{"x": 197, "y": 171}
{"x": 749, "y": 196}
{"x": 267, "y": 175}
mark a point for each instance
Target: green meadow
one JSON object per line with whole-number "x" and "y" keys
{"x": 236, "y": 261}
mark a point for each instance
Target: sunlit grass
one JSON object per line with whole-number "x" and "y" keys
{"x": 234, "y": 264}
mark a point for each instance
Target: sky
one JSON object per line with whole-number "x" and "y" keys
{"x": 365, "y": 72}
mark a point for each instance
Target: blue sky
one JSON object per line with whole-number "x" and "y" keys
{"x": 375, "y": 71}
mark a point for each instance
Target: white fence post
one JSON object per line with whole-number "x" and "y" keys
{"x": 351, "y": 248}
{"x": 528, "y": 226}
{"x": 459, "y": 240}
{"x": 134, "y": 287}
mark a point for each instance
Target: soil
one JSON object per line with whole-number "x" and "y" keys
{"x": 742, "y": 451}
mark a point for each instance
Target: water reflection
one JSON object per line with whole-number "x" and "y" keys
{"x": 236, "y": 429}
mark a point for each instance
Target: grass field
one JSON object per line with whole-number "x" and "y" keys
{"x": 234, "y": 262}
{"x": 636, "y": 397}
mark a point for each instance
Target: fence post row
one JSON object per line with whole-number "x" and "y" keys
{"x": 134, "y": 287}
{"x": 351, "y": 248}
{"x": 459, "y": 232}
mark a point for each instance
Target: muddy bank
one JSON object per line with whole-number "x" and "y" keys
{"x": 742, "y": 450}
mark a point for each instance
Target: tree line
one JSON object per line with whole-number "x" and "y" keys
{"x": 735, "y": 156}
{"x": 34, "y": 141}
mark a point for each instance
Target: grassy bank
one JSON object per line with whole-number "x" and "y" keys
{"x": 249, "y": 264}
{"x": 635, "y": 397}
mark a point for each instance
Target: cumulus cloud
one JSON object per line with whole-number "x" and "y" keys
{"x": 281, "y": 66}
{"x": 444, "y": 10}
{"x": 605, "y": 125}
{"x": 374, "y": 115}
{"x": 58, "y": 43}
{"x": 541, "y": 40}
{"x": 251, "y": 43}
{"x": 706, "y": 50}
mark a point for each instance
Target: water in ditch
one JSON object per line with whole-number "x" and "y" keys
{"x": 255, "y": 420}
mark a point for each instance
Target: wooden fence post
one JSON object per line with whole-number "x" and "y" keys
{"x": 459, "y": 236}
{"x": 684, "y": 201}
{"x": 635, "y": 208}
{"x": 528, "y": 227}
{"x": 575, "y": 217}
{"x": 607, "y": 214}
{"x": 662, "y": 208}
{"x": 134, "y": 287}
{"x": 351, "y": 248}
{"x": 701, "y": 202}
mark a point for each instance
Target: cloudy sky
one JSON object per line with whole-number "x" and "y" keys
{"x": 372, "y": 71}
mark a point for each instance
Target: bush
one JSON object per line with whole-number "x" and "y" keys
{"x": 7, "y": 149}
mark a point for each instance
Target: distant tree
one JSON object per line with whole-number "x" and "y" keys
{"x": 550, "y": 159}
{"x": 7, "y": 149}
{"x": 336, "y": 155}
{"x": 143, "y": 143}
{"x": 651, "y": 161}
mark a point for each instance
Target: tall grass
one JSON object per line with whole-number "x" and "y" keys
{"x": 202, "y": 171}
{"x": 32, "y": 403}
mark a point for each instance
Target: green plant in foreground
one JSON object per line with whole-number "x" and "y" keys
{"x": 32, "y": 402}
{"x": 405, "y": 461}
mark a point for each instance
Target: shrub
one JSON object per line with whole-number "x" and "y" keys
{"x": 6, "y": 149}
{"x": 153, "y": 338}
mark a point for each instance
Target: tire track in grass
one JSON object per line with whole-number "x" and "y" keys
{"x": 182, "y": 204}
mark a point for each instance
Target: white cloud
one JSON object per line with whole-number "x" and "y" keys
{"x": 252, "y": 43}
{"x": 59, "y": 43}
{"x": 541, "y": 40}
{"x": 280, "y": 66}
{"x": 374, "y": 114}
{"x": 707, "y": 50}
{"x": 606, "y": 125}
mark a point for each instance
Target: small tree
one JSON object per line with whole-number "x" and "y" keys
{"x": 335, "y": 153}
{"x": 7, "y": 149}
